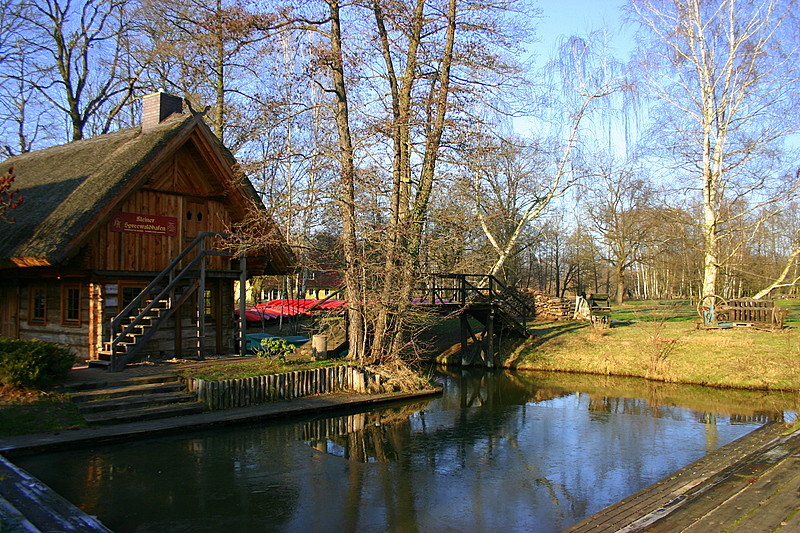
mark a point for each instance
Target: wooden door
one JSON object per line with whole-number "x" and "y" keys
{"x": 9, "y": 312}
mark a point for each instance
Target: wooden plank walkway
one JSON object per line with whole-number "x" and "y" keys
{"x": 749, "y": 485}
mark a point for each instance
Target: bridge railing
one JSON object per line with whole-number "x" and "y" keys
{"x": 463, "y": 289}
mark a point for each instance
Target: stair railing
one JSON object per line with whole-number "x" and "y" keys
{"x": 467, "y": 288}
{"x": 174, "y": 279}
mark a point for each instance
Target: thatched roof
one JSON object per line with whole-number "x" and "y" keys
{"x": 67, "y": 187}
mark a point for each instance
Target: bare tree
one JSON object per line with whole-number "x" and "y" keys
{"x": 82, "y": 49}
{"x": 583, "y": 77}
{"x": 508, "y": 187}
{"x": 784, "y": 236}
{"x": 211, "y": 53}
{"x": 620, "y": 205}
{"x": 397, "y": 113}
{"x": 726, "y": 73}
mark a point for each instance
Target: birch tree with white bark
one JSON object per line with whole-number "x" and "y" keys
{"x": 726, "y": 76}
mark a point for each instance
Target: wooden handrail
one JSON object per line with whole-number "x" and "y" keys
{"x": 471, "y": 286}
{"x": 169, "y": 270}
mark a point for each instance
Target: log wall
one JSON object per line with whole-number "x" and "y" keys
{"x": 229, "y": 393}
{"x": 52, "y": 329}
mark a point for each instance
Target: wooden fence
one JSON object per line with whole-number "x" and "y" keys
{"x": 228, "y": 393}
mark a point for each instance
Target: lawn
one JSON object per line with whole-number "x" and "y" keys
{"x": 25, "y": 411}
{"x": 659, "y": 340}
{"x": 253, "y": 367}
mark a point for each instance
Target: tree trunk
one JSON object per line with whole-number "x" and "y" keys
{"x": 620, "y": 283}
{"x": 347, "y": 195}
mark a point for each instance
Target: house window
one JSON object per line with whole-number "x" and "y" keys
{"x": 71, "y": 305}
{"x": 209, "y": 303}
{"x": 37, "y": 311}
{"x": 129, "y": 293}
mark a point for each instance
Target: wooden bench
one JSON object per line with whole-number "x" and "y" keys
{"x": 599, "y": 308}
{"x": 717, "y": 313}
{"x": 758, "y": 313}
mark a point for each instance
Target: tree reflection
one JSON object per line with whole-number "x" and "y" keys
{"x": 497, "y": 450}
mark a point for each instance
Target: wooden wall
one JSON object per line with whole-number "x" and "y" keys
{"x": 52, "y": 330}
{"x": 178, "y": 336}
{"x": 178, "y": 188}
{"x": 185, "y": 187}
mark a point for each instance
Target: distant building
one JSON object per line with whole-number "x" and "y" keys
{"x": 306, "y": 283}
{"x": 103, "y": 217}
{"x": 322, "y": 283}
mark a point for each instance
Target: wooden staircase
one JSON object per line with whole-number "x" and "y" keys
{"x": 134, "y": 399}
{"x": 138, "y": 328}
{"x": 136, "y": 324}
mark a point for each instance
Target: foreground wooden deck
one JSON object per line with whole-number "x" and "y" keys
{"x": 750, "y": 485}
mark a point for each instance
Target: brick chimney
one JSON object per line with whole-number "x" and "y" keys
{"x": 158, "y": 106}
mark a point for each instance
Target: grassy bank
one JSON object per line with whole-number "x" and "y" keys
{"x": 24, "y": 411}
{"x": 251, "y": 367}
{"x": 659, "y": 340}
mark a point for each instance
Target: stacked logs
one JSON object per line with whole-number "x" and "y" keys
{"x": 552, "y": 307}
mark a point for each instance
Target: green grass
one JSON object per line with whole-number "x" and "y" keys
{"x": 37, "y": 413}
{"x": 252, "y": 368}
{"x": 650, "y": 310}
{"x": 683, "y": 310}
{"x": 659, "y": 340}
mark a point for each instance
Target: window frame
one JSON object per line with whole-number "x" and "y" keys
{"x": 65, "y": 305}
{"x": 32, "y": 305}
{"x": 126, "y": 286}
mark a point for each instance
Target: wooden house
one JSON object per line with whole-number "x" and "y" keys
{"x": 115, "y": 250}
{"x": 321, "y": 284}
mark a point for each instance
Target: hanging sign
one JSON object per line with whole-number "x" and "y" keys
{"x": 147, "y": 224}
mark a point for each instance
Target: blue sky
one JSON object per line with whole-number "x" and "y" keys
{"x": 579, "y": 17}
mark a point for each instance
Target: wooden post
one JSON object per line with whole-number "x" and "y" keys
{"x": 489, "y": 356}
{"x": 201, "y": 301}
{"x": 242, "y": 304}
{"x": 464, "y": 319}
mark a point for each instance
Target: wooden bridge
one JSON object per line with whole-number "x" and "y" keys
{"x": 500, "y": 309}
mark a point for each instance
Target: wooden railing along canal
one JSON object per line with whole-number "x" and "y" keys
{"x": 229, "y": 393}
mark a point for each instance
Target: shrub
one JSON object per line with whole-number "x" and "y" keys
{"x": 273, "y": 347}
{"x": 33, "y": 363}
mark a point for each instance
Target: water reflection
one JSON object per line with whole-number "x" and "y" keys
{"x": 497, "y": 451}
{"x": 364, "y": 437}
{"x": 477, "y": 387}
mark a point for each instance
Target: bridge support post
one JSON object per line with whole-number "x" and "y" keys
{"x": 489, "y": 351}
{"x": 464, "y": 338}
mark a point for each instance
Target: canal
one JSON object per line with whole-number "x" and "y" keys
{"x": 499, "y": 450}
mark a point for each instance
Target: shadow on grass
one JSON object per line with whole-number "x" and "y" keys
{"x": 549, "y": 331}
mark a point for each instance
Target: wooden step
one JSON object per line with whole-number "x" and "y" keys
{"x": 127, "y": 390}
{"x": 144, "y": 413}
{"x": 130, "y": 402}
{"x": 136, "y": 380}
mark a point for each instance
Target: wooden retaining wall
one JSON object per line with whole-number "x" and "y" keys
{"x": 228, "y": 393}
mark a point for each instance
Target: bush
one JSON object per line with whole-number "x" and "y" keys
{"x": 32, "y": 363}
{"x": 273, "y": 347}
